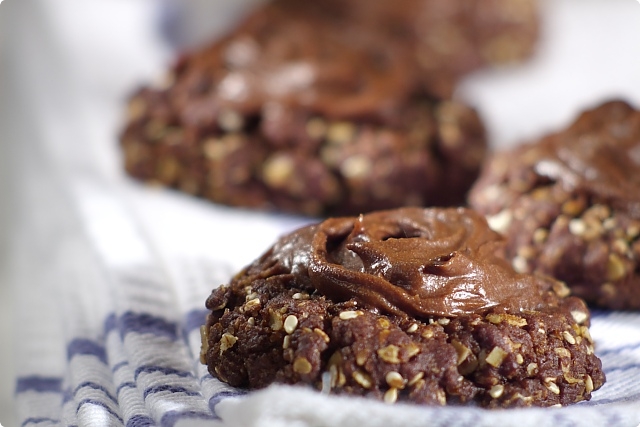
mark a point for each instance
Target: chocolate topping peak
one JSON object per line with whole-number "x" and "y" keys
{"x": 422, "y": 262}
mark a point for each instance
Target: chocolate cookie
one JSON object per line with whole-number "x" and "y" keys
{"x": 569, "y": 205}
{"x": 411, "y": 305}
{"x": 327, "y": 108}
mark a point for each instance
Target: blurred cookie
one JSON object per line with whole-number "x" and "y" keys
{"x": 328, "y": 108}
{"x": 413, "y": 305}
{"x": 569, "y": 205}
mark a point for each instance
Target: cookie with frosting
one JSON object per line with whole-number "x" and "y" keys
{"x": 569, "y": 205}
{"x": 415, "y": 305}
{"x": 329, "y": 107}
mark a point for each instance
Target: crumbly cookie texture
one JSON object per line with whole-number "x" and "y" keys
{"x": 331, "y": 108}
{"x": 272, "y": 324}
{"x": 569, "y": 205}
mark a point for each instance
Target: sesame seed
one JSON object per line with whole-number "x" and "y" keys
{"x": 553, "y": 388}
{"x": 496, "y": 391}
{"x": 519, "y": 359}
{"x": 588, "y": 384}
{"x": 286, "y": 342}
{"x": 532, "y": 368}
{"x": 540, "y": 236}
{"x": 278, "y": 170}
{"x": 417, "y": 377}
{"x": 361, "y": 357}
{"x": 501, "y": 221}
{"x": 301, "y": 365}
{"x": 427, "y": 333}
{"x": 340, "y": 133}
{"x": 391, "y": 395}
{"x": 230, "y": 120}
{"x": 322, "y": 334}
{"x": 363, "y": 379}
{"x": 290, "y": 324}
{"x": 519, "y": 264}
{"x": 577, "y": 227}
{"x": 444, "y": 321}
{"x": 412, "y": 328}
{"x": 579, "y": 316}
{"x": 356, "y": 167}
{"x": 562, "y": 352}
{"x": 394, "y": 379}
{"x": 615, "y": 268}
{"x": 348, "y": 315}
{"x": 568, "y": 337}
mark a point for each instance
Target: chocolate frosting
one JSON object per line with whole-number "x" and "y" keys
{"x": 597, "y": 155}
{"x": 413, "y": 261}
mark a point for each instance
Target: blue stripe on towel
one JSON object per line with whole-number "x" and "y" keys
{"x": 39, "y": 384}
{"x": 147, "y": 369}
{"x": 86, "y": 347}
{"x": 146, "y": 323}
{"x": 128, "y": 384}
{"x": 119, "y": 365}
{"x": 141, "y": 323}
{"x": 95, "y": 386}
{"x": 634, "y": 346}
{"x": 170, "y": 388}
{"x": 38, "y": 420}
{"x": 194, "y": 319}
{"x": 140, "y": 421}
{"x": 627, "y": 367}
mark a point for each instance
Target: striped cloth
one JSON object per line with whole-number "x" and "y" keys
{"x": 112, "y": 337}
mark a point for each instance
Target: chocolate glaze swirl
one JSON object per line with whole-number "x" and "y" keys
{"x": 420, "y": 262}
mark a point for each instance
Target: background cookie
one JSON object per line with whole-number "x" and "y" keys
{"x": 569, "y": 205}
{"x": 328, "y": 108}
{"x": 343, "y": 306}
